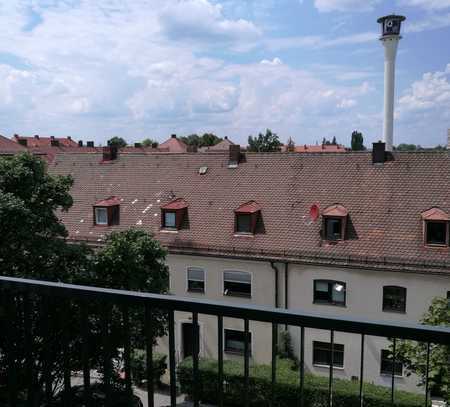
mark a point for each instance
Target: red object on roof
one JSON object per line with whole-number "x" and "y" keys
{"x": 111, "y": 201}
{"x": 249, "y": 207}
{"x": 435, "y": 214}
{"x": 335, "y": 210}
{"x": 314, "y": 212}
{"x": 38, "y": 141}
{"x": 8, "y": 146}
{"x": 177, "y": 204}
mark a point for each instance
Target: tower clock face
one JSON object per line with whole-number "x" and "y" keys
{"x": 391, "y": 26}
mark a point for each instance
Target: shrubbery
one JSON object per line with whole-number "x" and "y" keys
{"x": 139, "y": 366}
{"x": 345, "y": 392}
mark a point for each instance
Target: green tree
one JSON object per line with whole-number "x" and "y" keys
{"x": 148, "y": 142}
{"x": 414, "y": 354}
{"x": 118, "y": 142}
{"x": 264, "y": 142}
{"x": 206, "y": 140}
{"x": 357, "y": 142}
{"x": 407, "y": 147}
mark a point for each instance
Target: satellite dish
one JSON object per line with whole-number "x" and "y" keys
{"x": 314, "y": 212}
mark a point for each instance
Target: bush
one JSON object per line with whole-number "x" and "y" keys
{"x": 139, "y": 366}
{"x": 345, "y": 392}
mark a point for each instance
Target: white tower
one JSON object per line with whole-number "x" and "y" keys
{"x": 390, "y": 36}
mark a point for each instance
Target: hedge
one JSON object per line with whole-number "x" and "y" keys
{"x": 345, "y": 392}
{"x": 139, "y": 366}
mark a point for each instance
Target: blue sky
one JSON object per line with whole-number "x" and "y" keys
{"x": 307, "y": 69}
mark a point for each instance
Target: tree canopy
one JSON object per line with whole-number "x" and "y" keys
{"x": 357, "y": 143}
{"x": 118, "y": 142}
{"x": 414, "y": 354}
{"x": 206, "y": 140}
{"x": 264, "y": 142}
{"x": 326, "y": 142}
{"x": 148, "y": 142}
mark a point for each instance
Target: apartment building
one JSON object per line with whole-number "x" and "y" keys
{"x": 357, "y": 234}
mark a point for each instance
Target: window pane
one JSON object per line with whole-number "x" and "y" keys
{"x": 196, "y": 286}
{"x": 244, "y": 223}
{"x": 338, "y": 293}
{"x": 436, "y": 232}
{"x": 237, "y": 276}
{"x": 329, "y": 292}
{"x": 239, "y": 289}
{"x": 169, "y": 219}
{"x": 235, "y": 341}
{"x": 322, "y": 354}
{"x": 333, "y": 229}
{"x": 101, "y": 216}
{"x": 394, "y": 299}
{"x": 196, "y": 274}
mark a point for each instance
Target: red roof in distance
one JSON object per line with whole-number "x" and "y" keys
{"x": 435, "y": 214}
{"x": 335, "y": 210}
{"x": 174, "y": 145}
{"x": 249, "y": 207}
{"x": 177, "y": 204}
{"x": 111, "y": 201}
{"x": 38, "y": 141}
{"x": 8, "y": 146}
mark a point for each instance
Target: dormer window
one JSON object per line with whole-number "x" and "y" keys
{"x": 435, "y": 227}
{"x": 247, "y": 217}
{"x": 173, "y": 214}
{"x": 335, "y": 222}
{"x": 107, "y": 212}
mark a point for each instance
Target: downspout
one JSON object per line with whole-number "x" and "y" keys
{"x": 272, "y": 264}
{"x": 286, "y": 288}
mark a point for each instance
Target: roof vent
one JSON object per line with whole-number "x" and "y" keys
{"x": 202, "y": 170}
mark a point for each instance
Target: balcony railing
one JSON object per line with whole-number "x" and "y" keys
{"x": 18, "y": 319}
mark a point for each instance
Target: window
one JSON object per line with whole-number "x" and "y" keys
{"x": 394, "y": 299}
{"x": 107, "y": 212}
{"x": 248, "y": 218}
{"x": 334, "y": 222}
{"x": 235, "y": 341}
{"x": 448, "y": 299}
{"x": 386, "y": 364}
{"x": 436, "y": 233}
{"x": 333, "y": 228}
{"x": 101, "y": 216}
{"x": 237, "y": 283}
{"x": 329, "y": 292}
{"x": 196, "y": 280}
{"x": 243, "y": 223}
{"x": 170, "y": 220}
{"x": 322, "y": 354}
{"x": 174, "y": 214}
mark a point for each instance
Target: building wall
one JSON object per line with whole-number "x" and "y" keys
{"x": 364, "y": 295}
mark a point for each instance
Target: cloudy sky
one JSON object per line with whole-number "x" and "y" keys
{"x": 148, "y": 68}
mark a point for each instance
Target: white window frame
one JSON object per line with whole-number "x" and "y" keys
{"x": 237, "y": 295}
{"x": 204, "y": 280}
{"x": 97, "y": 209}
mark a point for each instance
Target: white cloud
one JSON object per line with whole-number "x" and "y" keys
{"x": 275, "y": 61}
{"x": 431, "y": 21}
{"x": 426, "y": 4}
{"x": 346, "y": 5}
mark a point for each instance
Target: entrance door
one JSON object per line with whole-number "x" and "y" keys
{"x": 188, "y": 339}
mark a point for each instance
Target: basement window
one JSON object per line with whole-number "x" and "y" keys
{"x": 329, "y": 292}
{"x": 173, "y": 214}
{"x": 394, "y": 299}
{"x": 334, "y": 222}
{"x": 247, "y": 218}
{"x": 237, "y": 284}
{"x": 234, "y": 342}
{"x": 107, "y": 212}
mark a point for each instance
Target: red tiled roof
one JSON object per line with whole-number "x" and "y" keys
{"x": 320, "y": 148}
{"x": 223, "y": 145}
{"x": 435, "y": 214}
{"x": 384, "y": 202}
{"x": 38, "y": 141}
{"x": 174, "y": 145}
{"x": 8, "y": 146}
{"x": 111, "y": 201}
{"x": 335, "y": 210}
{"x": 179, "y": 203}
{"x": 249, "y": 207}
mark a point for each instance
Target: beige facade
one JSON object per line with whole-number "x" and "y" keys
{"x": 364, "y": 296}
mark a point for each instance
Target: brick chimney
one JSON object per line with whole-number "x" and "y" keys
{"x": 110, "y": 153}
{"x": 80, "y": 143}
{"x": 54, "y": 142}
{"x": 379, "y": 153}
{"x": 234, "y": 155}
{"x": 36, "y": 136}
{"x": 22, "y": 141}
{"x": 173, "y": 136}
{"x": 90, "y": 144}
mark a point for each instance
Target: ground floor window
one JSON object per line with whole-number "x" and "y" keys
{"x": 386, "y": 364}
{"x": 235, "y": 341}
{"x": 322, "y": 354}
